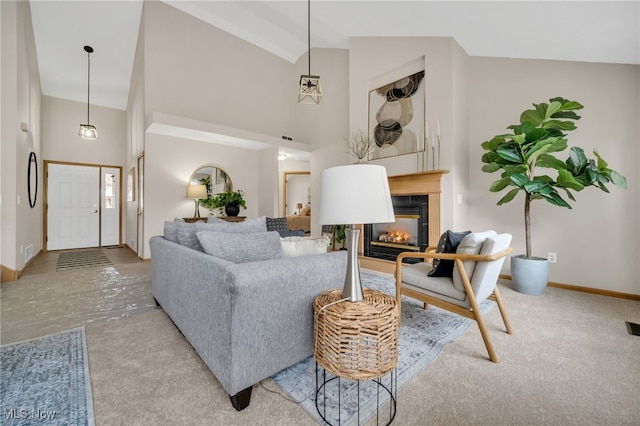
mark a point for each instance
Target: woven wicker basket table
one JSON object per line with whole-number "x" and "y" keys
{"x": 355, "y": 341}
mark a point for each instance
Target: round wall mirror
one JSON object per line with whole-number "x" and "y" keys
{"x": 214, "y": 178}
{"x": 32, "y": 179}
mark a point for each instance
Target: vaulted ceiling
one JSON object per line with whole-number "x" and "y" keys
{"x": 589, "y": 31}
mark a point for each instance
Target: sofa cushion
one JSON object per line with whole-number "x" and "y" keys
{"x": 486, "y": 274}
{"x": 302, "y": 246}
{"x": 470, "y": 244}
{"x": 448, "y": 244}
{"x": 241, "y": 248}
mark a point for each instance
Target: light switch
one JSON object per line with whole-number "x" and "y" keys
{"x": 18, "y": 200}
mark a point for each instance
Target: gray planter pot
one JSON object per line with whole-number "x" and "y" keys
{"x": 529, "y": 276}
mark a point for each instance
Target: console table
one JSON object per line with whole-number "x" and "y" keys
{"x": 204, "y": 219}
{"x": 233, "y": 218}
{"x": 357, "y": 341}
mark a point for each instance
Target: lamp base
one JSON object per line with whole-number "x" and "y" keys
{"x": 352, "y": 285}
{"x": 197, "y": 212}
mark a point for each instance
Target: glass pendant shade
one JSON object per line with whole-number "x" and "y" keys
{"x": 310, "y": 89}
{"x": 87, "y": 131}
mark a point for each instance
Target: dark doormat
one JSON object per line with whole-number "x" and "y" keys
{"x": 82, "y": 259}
{"x": 633, "y": 329}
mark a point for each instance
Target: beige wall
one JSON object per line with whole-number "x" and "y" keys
{"x": 195, "y": 70}
{"x": 186, "y": 68}
{"x": 61, "y": 120}
{"x": 169, "y": 163}
{"x": 373, "y": 58}
{"x": 21, "y": 225}
{"x": 324, "y": 126}
{"x": 597, "y": 242}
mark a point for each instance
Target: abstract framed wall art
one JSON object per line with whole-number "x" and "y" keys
{"x": 396, "y": 117}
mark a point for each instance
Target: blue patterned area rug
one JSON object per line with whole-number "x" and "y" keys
{"x": 422, "y": 336}
{"x": 46, "y": 381}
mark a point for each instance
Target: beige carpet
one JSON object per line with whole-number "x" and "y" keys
{"x": 571, "y": 361}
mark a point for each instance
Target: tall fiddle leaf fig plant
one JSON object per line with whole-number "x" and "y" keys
{"x": 525, "y": 157}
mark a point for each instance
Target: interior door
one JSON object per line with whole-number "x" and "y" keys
{"x": 110, "y": 202}
{"x": 140, "y": 210}
{"x": 73, "y": 206}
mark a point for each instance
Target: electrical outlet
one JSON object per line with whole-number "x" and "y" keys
{"x": 552, "y": 258}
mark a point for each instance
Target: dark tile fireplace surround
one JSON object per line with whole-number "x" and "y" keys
{"x": 416, "y": 200}
{"x": 410, "y": 232}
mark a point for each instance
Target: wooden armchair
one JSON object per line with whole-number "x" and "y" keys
{"x": 478, "y": 262}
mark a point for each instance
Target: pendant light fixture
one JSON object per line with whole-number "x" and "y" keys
{"x": 310, "y": 90}
{"x": 87, "y": 131}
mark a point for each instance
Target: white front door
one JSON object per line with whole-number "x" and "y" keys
{"x": 73, "y": 206}
{"x": 110, "y": 217}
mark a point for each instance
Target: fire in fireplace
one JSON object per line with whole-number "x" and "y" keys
{"x": 408, "y": 233}
{"x": 396, "y": 236}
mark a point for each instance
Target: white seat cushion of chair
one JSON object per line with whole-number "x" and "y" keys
{"x": 416, "y": 276}
{"x": 471, "y": 244}
{"x": 485, "y": 276}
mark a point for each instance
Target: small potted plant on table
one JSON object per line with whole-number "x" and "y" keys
{"x": 231, "y": 202}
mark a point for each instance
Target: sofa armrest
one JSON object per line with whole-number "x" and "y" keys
{"x": 190, "y": 287}
{"x": 272, "y": 311}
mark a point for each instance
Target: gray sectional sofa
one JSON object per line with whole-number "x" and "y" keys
{"x": 247, "y": 319}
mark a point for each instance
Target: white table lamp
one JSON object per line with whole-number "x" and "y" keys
{"x": 350, "y": 195}
{"x": 196, "y": 192}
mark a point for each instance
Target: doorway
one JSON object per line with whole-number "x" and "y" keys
{"x": 140, "y": 208}
{"x": 296, "y": 190}
{"x": 82, "y": 206}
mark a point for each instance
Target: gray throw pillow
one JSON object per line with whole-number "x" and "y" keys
{"x": 187, "y": 231}
{"x": 241, "y": 248}
{"x": 258, "y": 224}
{"x": 171, "y": 230}
{"x": 187, "y": 235}
{"x": 246, "y": 227}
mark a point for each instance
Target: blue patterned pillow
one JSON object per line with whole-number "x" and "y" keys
{"x": 279, "y": 224}
{"x": 296, "y": 233}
